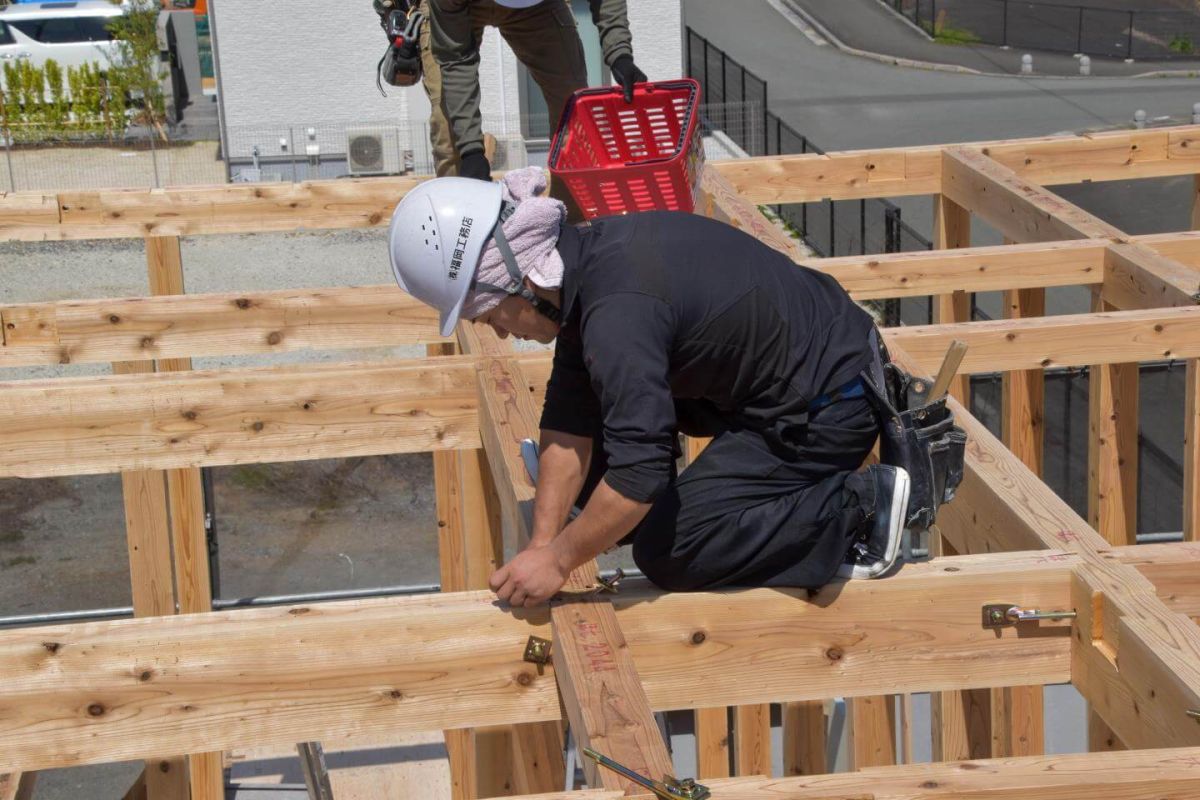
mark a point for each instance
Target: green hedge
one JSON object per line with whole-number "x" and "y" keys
{"x": 44, "y": 103}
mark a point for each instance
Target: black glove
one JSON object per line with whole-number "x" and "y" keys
{"x": 475, "y": 165}
{"x": 627, "y": 74}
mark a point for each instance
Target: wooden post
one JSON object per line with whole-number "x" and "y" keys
{"x": 1112, "y": 475}
{"x": 185, "y": 503}
{"x": 1191, "y": 455}
{"x": 17, "y": 785}
{"x": 872, "y": 724}
{"x": 960, "y": 720}
{"x": 805, "y": 746}
{"x": 1112, "y": 448}
{"x": 712, "y": 742}
{"x": 469, "y": 549}
{"x": 1018, "y": 717}
{"x": 952, "y": 229}
{"x": 752, "y": 740}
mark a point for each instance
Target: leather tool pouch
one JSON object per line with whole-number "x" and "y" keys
{"x": 918, "y": 436}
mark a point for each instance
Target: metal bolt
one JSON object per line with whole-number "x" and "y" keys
{"x": 1026, "y": 64}
{"x": 1196, "y": 113}
{"x": 1085, "y": 65}
{"x": 1139, "y": 119}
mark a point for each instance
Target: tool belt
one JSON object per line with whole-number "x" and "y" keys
{"x": 915, "y": 434}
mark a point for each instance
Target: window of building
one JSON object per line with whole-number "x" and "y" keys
{"x": 65, "y": 30}
{"x": 535, "y": 117}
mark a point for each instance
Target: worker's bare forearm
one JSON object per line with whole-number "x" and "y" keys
{"x": 562, "y": 467}
{"x": 606, "y": 519}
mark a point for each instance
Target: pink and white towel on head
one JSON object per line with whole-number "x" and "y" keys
{"x": 532, "y": 233}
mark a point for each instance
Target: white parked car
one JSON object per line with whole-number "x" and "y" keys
{"x": 71, "y": 33}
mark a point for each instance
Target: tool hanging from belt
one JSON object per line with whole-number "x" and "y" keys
{"x": 917, "y": 430}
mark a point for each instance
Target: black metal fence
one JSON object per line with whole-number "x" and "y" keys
{"x": 732, "y": 98}
{"x": 1089, "y": 30}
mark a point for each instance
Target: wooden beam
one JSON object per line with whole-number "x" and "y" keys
{"x": 192, "y": 210}
{"x": 1020, "y": 210}
{"x": 230, "y": 323}
{"x": 752, "y": 740}
{"x": 723, "y": 202}
{"x": 971, "y": 269}
{"x": 1070, "y": 340}
{"x": 128, "y": 689}
{"x": 206, "y": 418}
{"x": 180, "y": 326}
{"x": 601, "y": 690}
{"x": 1137, "y": 276}
{"x": 1134, "y": 775}
{"x": 712, "y": 742}
{"x": 905, "y": 171}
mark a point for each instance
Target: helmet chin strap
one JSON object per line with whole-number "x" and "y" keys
{"x": 517, "y": 288}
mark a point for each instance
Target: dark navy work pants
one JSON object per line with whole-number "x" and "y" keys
{"x": 741, "y": 515}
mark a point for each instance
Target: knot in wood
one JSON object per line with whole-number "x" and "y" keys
{"x": 950, "y": 569}
{"x": 258, "y": 426}
{"x": 96, "y": 710}
{"x": 929, "y": 785}
{"x": 147, "y": 342}
{"x": 242, "y": 303}
{"x": 698, "y": 637}
{"x": 834, "y": 654}
{"x": 145, "y": 675}
{"x": 524, "y": 678}
{"x": 164, "y": 766}
{"x": 114, "y": 319}
{"x": 190, "y": 415}
{"x": 274, "y": 337}
{"x": 295, "y": 612}
{"x": 51, "y": 647}
{"x": 396, "y": 694}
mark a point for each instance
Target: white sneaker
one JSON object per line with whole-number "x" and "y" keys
{"x": 875, "y": 552}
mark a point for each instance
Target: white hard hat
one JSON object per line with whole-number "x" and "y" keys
{"x": 437, "y": 236}
{"x": 517, "y": 3}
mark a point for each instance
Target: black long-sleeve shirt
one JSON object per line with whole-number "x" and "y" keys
{"x": 675, "y": 322}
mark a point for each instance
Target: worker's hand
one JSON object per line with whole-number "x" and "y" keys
{"x": 532, "y": 578}
{"x": 627, "y": 74}
{"x": 475, "y": 165}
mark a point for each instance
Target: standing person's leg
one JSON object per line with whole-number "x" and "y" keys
{"x": 545, "y": 39}
{"x": 743, "y": 516}
{"x": 445, "y": 156}
{"x": 441, "y": 133}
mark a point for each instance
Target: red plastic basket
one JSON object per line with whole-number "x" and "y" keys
{"x": 618, "y": 157}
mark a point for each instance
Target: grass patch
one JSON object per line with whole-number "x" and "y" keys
{"x": 1181, "y": 43}
{"x": 948, "y": 34}
{"x": 250, "y": 476}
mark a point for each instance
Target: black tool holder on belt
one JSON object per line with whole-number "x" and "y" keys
{"x": 918, "y": 434}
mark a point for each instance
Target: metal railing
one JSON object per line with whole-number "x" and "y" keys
{"x": 1062, "y": 28}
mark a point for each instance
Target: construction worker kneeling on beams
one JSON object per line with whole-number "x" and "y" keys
{"x": 669, "y": 322}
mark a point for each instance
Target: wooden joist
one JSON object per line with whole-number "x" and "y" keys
{"x": 181, "y": 326}
{"x": 1132, "y": 775}
{"x": 1077, "y": 340}
{"x": 204, "y": 418}
{"x": 109, "y": 691}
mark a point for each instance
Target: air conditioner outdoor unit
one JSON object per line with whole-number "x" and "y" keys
{"x": 374, "y": 151}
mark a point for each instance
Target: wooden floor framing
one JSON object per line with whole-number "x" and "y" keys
{"x": 181, "y": 684}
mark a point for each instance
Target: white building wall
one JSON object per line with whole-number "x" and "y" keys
{"x": 289, "y": 65}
